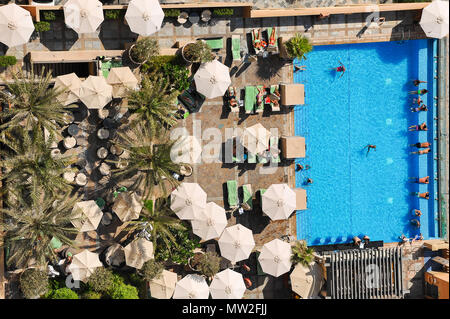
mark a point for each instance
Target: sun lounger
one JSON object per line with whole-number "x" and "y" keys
{"x": 260, "y": 106}
{"x": 247, "y": 197}
{"x": 250, "y": 99}
{"x": 251, "y": 158}
{"x": 274, "y": 151}
{"x": 262, "y": 159}
{"x": 236, "y": 47}
{"x": 272, "y": 46}
{"x": 275, "y": 106}
{"x": 257, "y": 40}
{"x": 215, "y": 43}
{"x": 232, "y": 190}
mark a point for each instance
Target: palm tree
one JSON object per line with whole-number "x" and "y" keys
{"x": 149, "y": 160}
{"x": 298, "y": 46}
{"x": 302, "y": 254}
{"x": 29, "y": 226}
{"x": 157, "y": 219}
{"x": 29, "y": 164}
{"x": 32, "y": 103}
{"x": 153, "y": 104}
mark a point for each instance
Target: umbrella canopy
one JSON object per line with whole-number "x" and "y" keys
{"x": 307, "y": 281}
{"x": 163, "y": 286}
{"x": 16, "y": 25}
{"x": 86, "y": 215}
{"x": 127, "y": 206}
{"x": 191, "y": 287}
{"x": 210, "y": 223}
{"x": 236, "y": 243}
{"x": 279, "y": 201}
{"x": 434, "y": 21}
{"x": 70, "y": 85}
{"x": 188, "y": 201}
{"x": 95, "y": 92}
{"x": 84, "y": 264}
{"x": 144, "y": 17}
{"x": 227, "y": 284}
{"x": 115, "y": 255}
{"x": 138, "y": 252}
{"x": 256, "y": 139}
{"x": 275, "y": 257}
{"x": 186, "y": 150}
{"x": 212, "y": 79}
{"x": 121, "y": 79}
{"x": 83, "y": 16}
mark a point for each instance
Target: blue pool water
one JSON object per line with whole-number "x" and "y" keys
{"x": 354, "y": 193}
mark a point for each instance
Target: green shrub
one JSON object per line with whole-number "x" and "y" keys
{"x": 198, "y": 52}
{"x": 114, "y": 14}
{"x": 64, "y": 293}
{"x": 34, "y": 283}
{"x": 174, "y": 74}
{"x": 48, "y": 15}
{"x": 172, "y": 13}
{"x": 151, "y": 269}
{"x": 179, "y": 253}
{"x": 223, "y": 12}
{"x": 144, "y": 49}
{"x": 298, "y": 46}
{"x": 101, "y": 280}
{"x": 209, "y": 264}
{"x": 7, "y": 60}
{"x": 120, "y": 290}
{"x": 42, "y": 26}
{"x": 91, "y": 295}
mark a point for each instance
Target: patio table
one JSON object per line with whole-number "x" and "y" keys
{"x": 73, "y": 129}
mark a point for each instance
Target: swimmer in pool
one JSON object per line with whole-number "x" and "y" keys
{"x": 369, "y": 147}
{"x": 340, "y": 68}
{"x": 423, "y": 108}
{"x": 417, "y": 82}
{"x": 419, "y": 92}
{"x": 422, "y": 152}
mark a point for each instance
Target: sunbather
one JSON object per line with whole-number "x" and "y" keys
{"x": 232, "y": 92}
{"x": 421, "y": 180}
{"x": 260, "y": 96}
{"x": 423, "y": 107}
{"x": 257, "y": 43}
{"x": 418, "y": 100}
{"x": 421, "y": 145}
{"x": 425, "y": 195}
{"x": 403, "y": 239}
{"x": 417, "y": 82}
{"x": 419, "y": 92}
{"x": 420, "y": 127}
{"x": 272, "y": 37}
{"x": 421, "y": 152}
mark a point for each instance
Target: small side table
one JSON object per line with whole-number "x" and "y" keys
{"x": 70, "y": 142}
{"x": 194, "y": 17}
{"x": 81, "y": 179}
{"x": 102, "y": 153}
{"x": 73, "y": 129}
{"x": 103, "y": 134}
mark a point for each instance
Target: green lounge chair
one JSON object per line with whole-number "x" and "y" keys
{"x": 273, "y": 142}
{"x": 272, "y": 47}
{"x": 251, "y": 158}
{"x": 232, "y": 190}
{"x": 250, "y": 99}
{"x": 262, "y": 159}
{"x": 108, "y": 65}
{"x": 247, "y": 199}
{"x": 236, "y": 47}
{"x": 260, "y": 106}
{"x": 215, "y": 43}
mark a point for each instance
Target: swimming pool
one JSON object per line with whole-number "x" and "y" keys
{"x": 354, "y": 193}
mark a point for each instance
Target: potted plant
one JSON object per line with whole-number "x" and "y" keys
{"x": 209, "y": 264}
{"x": 298, "y": 46}
{"x": 301, "y": 254}
{"x": 197, "y": 52}
{"x": 195, "y": 260}
{"x": 183, "y": 17}
{"x": 143, "y": 50}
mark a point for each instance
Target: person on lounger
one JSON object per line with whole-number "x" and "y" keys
{"x": 423, "y": 108}
{"x": 425, "y": 195}
{"x": 421, "y": 180}
{"x": 419, "y": 92}
{"x": 422, "y": 152}
{"x": 272, "y": 37}
{"x": 420, "y": 127}
{"x": 340, "y": 68}
{"x": 260, "y": 96}
{"x": 417, "y": 82}
{"x": 416, "y": 213}
{"x": 257, "y": 43}
{"x": 421, "y": 145}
